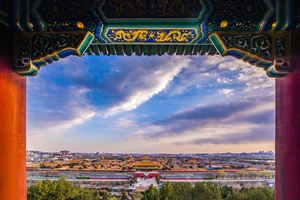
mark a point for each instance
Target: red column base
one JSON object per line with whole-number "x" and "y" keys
{"x": 12, "y": 133}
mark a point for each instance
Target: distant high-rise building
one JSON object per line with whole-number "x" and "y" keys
{"x": 64, "y": 152}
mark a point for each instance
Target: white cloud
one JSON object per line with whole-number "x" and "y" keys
{"x": 212, "y": 61}
{"x": 255, "y": 79}
{"x": 143, "y": 81}
{"x": 232, "y": 65}
{"x": 82, "y": 90}
{"x": 226, "y": 91}
{"x": 210, "y": 71}
{"x": 223, "y": 80}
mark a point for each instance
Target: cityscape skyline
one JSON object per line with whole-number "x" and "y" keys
{"x": 141, "y": 153}
{"x": 165, "y": 104}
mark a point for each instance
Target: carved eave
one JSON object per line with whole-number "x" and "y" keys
{"x": 36, "y": 49}
{"x": 268, "y": 50}
{"x": 47, "y": 30}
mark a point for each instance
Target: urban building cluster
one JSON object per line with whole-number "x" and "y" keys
{"x": 134, "y": 173}
{"x": 66, "y": 160}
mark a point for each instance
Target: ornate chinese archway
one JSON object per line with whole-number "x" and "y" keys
{"x": 39, "y": 32}
{"x": 250, "y": 30}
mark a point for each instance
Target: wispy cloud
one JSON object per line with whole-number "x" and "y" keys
{"x": 248, "y": 109}
{"x": 126, "y": 82}
{"x": 53, "y": 108}
{"x": 75, "y": 90}
{"x": 134, "y": 81}
{"x": 196, "y": 119}
{"x": 235, "y": 134}
{"x": 186, "y": 100}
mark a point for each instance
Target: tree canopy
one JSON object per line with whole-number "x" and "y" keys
{"x": 64, "y": 190}
{"x": 152, "y": 193}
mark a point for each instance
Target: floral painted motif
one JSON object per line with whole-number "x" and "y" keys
{"x": 152, "y": 35}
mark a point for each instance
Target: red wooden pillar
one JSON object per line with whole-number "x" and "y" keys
{"x": 287, "y": 137}
{"x": 12, "y": 132}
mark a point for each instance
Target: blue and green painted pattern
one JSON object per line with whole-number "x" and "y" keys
{"x": 28, "y": 67}
{"x": 21, "y": 16}
{"x": 173, "y": 24}
{"x": 285, "y": 15}
{"x": 148, "y": 50}
{"x": 193, "y": 14}
{"x": 208, "y": 15}
{"x": 255, "y": 48}
{"x": 25, "y": 67}
{"x": 244, "y": 55}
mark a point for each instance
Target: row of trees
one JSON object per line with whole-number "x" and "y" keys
{"x": 205, "y": 191}
{"x": 245, "y": 174}
{"x": 64, "y": 190}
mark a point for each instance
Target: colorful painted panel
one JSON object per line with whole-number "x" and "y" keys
{"x": 154, "y": 14}
{"x": 151, "y": 9}
{"x": 47, "y": 48}
{"x": 151, "y": 35}
{"x": 279, "y": 68}
{"x": 43, "y": 44}
{"x": 259, "y": 45}
{"x": 150, "y": 23}
{"x": 244, "y": 45}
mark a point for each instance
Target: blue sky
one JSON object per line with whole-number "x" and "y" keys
{"x": 167, "y": 104}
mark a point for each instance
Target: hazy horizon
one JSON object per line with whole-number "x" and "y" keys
{"x": 142, "y": 152}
